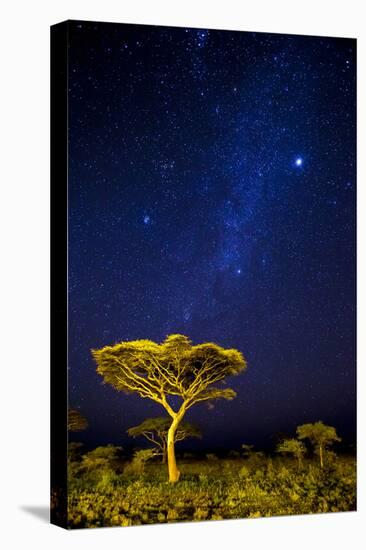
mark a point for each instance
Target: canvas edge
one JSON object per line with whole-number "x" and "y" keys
{"x": 58, "y": 269}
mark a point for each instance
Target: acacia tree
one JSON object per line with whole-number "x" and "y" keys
{"x": 76, "y": 422}
{"x": 320, "y": 436}
{"x": 156, "y": 430}
{"x": 175, "y": 374}
{"x": 294, "y": 447}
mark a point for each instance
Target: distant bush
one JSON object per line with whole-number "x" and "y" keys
{"x": 188, "y": 455}
{"x": 233, "y": 454}
{"x": 211, "y": 456}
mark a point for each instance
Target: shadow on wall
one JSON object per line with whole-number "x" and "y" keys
{"x": 40, "y": 512}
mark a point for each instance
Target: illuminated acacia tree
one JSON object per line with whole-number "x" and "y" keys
{"x": 76, "y": 422}
{"x": 175, "y": 374}
{"x": 156, "y": 430}
{"x": 294, "y": 447}
{"x": 320, "y": 435}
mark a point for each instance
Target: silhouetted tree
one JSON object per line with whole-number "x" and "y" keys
{"x": 320, "y": 436}
{"x": 173, "y": 369}
{"x": 156, "y": 430}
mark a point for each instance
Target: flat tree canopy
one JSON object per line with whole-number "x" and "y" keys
{"x": 292, "y": 446}
{"x": 321, "y": 435}
{"x": 156, "y": 431}
{"x": 174, "y": 368}
{"x": 318, "y": 433}
{"x": 160, "y": 425}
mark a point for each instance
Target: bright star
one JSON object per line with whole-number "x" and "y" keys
{"x": 238, "y": 271}
{"x": 298, "y": 161}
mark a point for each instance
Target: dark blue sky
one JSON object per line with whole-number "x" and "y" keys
{"x": 212, "y": 193}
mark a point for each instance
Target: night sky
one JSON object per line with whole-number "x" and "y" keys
{"x": 212, "y": 193}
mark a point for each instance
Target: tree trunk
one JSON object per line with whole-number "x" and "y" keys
{"x": 321, "y": 455}
{"x": 163, "y": 453}
{"x": 174, "y": 473}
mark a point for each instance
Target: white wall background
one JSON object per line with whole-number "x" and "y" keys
{"x": 24, "y": 271}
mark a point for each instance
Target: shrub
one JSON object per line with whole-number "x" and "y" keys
{"x": 137, "y": 465}
{"x": 244, "y": 472}
{"x": 211, "y": 457}
{"x": 211, "y": 491}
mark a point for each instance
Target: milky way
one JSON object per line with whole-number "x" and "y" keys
{"x": 212, "y": 193}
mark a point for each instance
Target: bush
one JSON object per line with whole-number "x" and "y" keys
{"x": 218, "y": 490}
{"x": 211, "y": 457}
{"x": 137, "y": 465}
{"x": 244, "y": 472}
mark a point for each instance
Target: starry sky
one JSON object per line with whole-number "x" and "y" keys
{"x": 212, "y": 188}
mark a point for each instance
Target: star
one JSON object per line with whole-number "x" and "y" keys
{"x": 147, "y": 220}
{"x": 298, "y": 162}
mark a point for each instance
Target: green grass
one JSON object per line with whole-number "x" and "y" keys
{"x": 209, "y": 490}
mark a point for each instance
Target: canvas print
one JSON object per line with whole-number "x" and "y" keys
{"x": 208, "y": 367}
